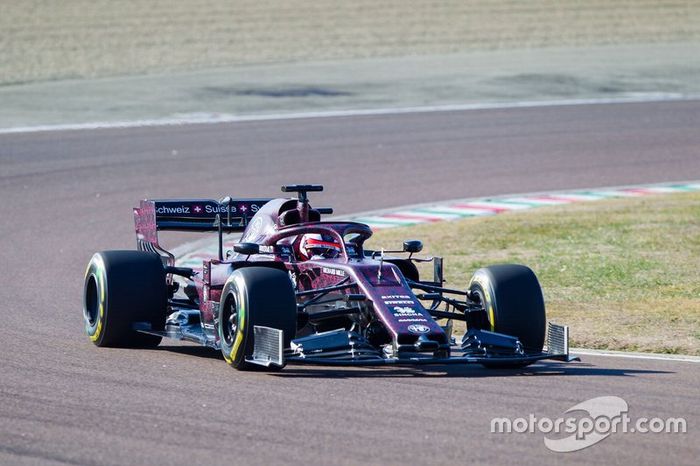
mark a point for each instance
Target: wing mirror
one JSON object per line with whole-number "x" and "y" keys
{"x": 412, "y": 246}
{"x": 247, "y": 248}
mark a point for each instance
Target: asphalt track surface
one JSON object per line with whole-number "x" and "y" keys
{"x": 68, "y": 194}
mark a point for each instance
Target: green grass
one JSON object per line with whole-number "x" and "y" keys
{"x": 623, "y": 274}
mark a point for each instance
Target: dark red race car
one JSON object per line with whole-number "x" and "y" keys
{"x": 296, "y": 289}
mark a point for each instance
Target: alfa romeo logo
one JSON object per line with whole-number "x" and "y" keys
{"x": 418, "y": 328}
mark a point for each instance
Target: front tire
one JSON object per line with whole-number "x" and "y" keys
{"x": 123, "y": 287}
{"x": 253, "y": 296}
{"x": 514, "y": 305}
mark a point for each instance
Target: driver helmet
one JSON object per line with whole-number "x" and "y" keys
{"x": 314, "y": 245}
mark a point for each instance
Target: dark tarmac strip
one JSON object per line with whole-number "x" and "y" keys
{"x": 68, "y": 194}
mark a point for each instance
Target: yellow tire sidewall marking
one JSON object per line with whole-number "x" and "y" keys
{"x": 99, "y": 274}
{"x": 241, "y": 311}
{"x": 483, "y": 282}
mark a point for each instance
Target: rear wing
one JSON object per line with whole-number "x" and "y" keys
{"x": 197, "y": 215}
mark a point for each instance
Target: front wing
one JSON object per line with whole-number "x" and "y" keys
{"x": 341, "y": 348}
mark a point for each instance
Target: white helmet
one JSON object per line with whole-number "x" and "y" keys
{"x": 316, "y": 245}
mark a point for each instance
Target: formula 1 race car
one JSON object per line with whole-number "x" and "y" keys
{"x": 296, "y": 289}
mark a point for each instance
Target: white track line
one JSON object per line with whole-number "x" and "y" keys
{"x": 214, "y": 118}
{"x": 498, "y": 205}
{"x": 622, "y": 354}
{"x": 537, "y": 201}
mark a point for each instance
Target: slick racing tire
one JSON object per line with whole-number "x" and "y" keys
{"x": 121, "y": 288}
{"x": 514, "y": 305}
{"x": 253, "y": 296}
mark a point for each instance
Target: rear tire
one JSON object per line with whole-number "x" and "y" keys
{"x": 253, "y": 296}
{"x": 123, "y": 287}
{"x": 512, "y": 298}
